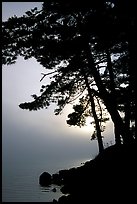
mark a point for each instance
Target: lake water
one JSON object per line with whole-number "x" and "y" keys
{"x": 20, "y": 183}
{"x": 29, "y": 151}
{"x": 25, "y": 157}
{"x": 26, "y": 153}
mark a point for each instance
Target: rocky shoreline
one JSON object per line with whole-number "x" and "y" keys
{"x": 110, "y": 175}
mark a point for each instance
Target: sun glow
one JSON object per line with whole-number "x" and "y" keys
{"x": 89, "y": 127}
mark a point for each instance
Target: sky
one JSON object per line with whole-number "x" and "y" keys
{"x": 41, "y": 131}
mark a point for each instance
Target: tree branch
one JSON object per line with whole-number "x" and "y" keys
{"x": 44, "y": 75}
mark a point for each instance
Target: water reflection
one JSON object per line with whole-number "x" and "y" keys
{"x": 55, "y": 189}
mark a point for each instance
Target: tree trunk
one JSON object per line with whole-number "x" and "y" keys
{"x": 99, "y": 137}
{"x": 108, "y": 101}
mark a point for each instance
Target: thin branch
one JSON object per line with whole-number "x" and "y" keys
{"x": 78, "y": 95}
{"x": 44, "y": 75}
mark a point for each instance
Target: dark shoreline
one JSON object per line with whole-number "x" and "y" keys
{"x": 110, "y": 175}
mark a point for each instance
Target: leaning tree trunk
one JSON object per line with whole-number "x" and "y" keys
{"x": 108, "y": 101}
{"x": 99, "y": 137}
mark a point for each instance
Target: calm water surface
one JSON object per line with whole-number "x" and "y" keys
{"x": 20, "y": 182}
{"x": 26, "y": 156}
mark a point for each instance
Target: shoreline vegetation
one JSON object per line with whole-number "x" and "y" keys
{"x": 110, "y": 176}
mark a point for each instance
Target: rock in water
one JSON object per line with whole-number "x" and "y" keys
{"x": 45, "y": 179}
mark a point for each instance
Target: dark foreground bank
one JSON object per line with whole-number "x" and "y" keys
{"x": 111, "y": 177}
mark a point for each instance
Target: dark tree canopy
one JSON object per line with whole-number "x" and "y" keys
{"x": 89, "y": 48}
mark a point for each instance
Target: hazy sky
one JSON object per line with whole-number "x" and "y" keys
{"x": 42, "y": 131}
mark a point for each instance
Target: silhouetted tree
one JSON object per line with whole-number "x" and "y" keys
{"x": 69, "y": 36}
{"x": 87, "y": 108}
